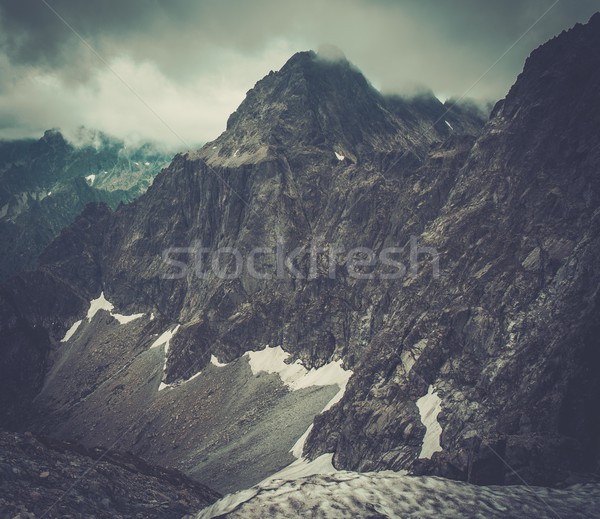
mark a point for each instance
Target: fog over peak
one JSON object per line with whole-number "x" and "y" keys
{"x": 329, "y": 52}
{"x": 173, "y": 71}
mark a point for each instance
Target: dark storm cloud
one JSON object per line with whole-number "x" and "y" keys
{"x": 34, "y": 35}
{"x": 167, "y": 32}
{"x": 193, "y": 60}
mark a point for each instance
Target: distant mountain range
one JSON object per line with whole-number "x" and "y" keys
{"x": 46, "y": 183}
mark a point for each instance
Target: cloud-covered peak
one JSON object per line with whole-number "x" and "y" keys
{"x": 173, "y": 71}
{"x": 329, "y": 52}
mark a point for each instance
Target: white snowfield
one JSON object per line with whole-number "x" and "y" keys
{"x": 389, "y": 494}
{"x": 429, "y": 407}
{"x": 90, "y": 179}
{"x": 100, "y": 303}
{"x": 339, "y": 156}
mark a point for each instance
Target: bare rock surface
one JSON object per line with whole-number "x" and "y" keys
{"x": 40, "y": 477}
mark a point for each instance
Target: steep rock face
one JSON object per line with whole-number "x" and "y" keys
{"x": 291, "y": 192}
{"x": 35, "y": 305}
{"x": 508, "y": 333}
{"x": 504, "y": 336}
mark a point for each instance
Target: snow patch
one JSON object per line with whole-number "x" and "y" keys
{"x": 215, "y": 362}
{"x": 71, "y": 331}
{"x": 98, "y": 304}
{"x": 295, "y": 376}
{"x": 298, "y": 447}
{"x": 272, "y": 360}
{"x": 339, "y": 156}
{"x": 165, "y": 338}
{"x": 449, "y": 125}
{"x": 429, "y": 407}
{"x": 90, "y": 179}
{"x": 124, "y": 319}
{"x": 146, "y": 163}
{"x": 101, "y": 303}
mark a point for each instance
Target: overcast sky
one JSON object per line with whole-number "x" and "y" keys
{"x": 185, "y": 65}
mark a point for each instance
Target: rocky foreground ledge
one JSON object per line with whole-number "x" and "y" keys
{"x": 47, "y": 478}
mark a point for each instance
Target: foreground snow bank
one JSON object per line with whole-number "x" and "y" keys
{"x": 390, "y": 494}
{"x": 297, "y": 470}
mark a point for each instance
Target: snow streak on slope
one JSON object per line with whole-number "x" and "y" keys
{"x": 429, "y": 407}
{"x": 124, "y": 319}
{"x": 215, "y": 362}
{"x": 100, "y": 303}
{"x": 295, "y": 376}
{"x": 164, "y": 340}
{"x": 71, "y": 331}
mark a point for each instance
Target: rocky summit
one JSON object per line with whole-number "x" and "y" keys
{"x": 394, "y": 283}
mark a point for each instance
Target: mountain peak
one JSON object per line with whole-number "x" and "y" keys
{"x": 323, "y": 102}
{"x": 317, "y": 100}
{"x": 53, "y": 135}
